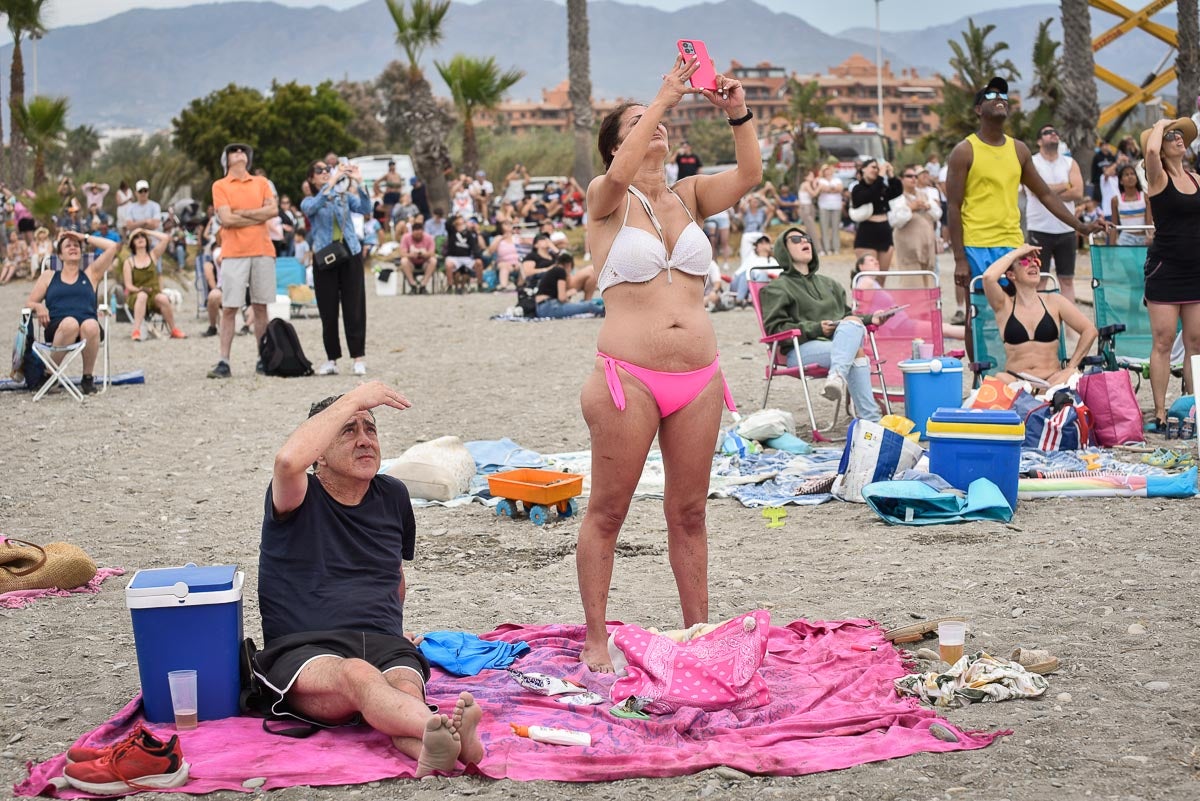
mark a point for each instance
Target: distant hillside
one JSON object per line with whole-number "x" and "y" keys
{"x": 140, "y": 68}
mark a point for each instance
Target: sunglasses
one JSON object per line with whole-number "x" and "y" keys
{"x": 796, "y": 239}
{"x": 909, "y": 175}
{"x": 994, "y": 95}
{"x": 1170, "y": 135}
{"x": 320, "y": 170}
{"x": 140, "y": 191}
{"x": 1048, "y": 132}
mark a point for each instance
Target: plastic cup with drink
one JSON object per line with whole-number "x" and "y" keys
{"x": 951, "y": 637}
{"x": 183, "y": 698}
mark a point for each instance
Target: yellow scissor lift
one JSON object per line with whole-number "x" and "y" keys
{"x": 1148, "y": 91}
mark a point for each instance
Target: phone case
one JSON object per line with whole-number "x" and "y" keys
{"x": 705, "y": 77}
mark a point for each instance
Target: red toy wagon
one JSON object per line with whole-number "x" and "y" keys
{"x": 538, "y": 490}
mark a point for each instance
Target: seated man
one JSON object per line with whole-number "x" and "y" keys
{"x": 463, "y": 255}
{"x": 762, "y": 258}
{"x": 331, "y": 589}
{"x": 557, "y": 286}
{"x": 539, "y": 260}
{"x": 417, "y": 257}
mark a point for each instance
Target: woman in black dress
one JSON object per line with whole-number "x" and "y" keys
{"x": 1172, "y": 266}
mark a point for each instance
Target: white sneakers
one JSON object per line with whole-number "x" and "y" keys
{"x": 328, "y": 368}
{"x": 360, "y": 367}
{"x": 835, "y": 387}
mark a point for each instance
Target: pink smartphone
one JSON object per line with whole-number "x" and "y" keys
{"x": 705, "y": 76}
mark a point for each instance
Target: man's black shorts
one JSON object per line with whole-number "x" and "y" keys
{"x": 280, "y": 663}
{"x": 1059, "y": 248}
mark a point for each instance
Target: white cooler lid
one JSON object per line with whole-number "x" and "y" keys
{"x": 184, "y": 586}
{"x": 942, "y": 364}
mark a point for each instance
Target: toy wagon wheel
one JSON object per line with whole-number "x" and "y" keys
{"x": 568, "y": 508}
{"x": 539, "y": 515}
{"x": 506, "y": 508}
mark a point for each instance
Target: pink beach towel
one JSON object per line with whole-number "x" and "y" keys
{"x": 831, "y": 707}
{"x": 19, "y": 599}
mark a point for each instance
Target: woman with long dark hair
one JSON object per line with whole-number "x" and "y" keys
{"x": 1130, "y": 208}
{"x": 877, "y": 187}
{"x": 338, "y": 191}
{"x": 1172, "y": 292}
{"x": 656, "y": 370}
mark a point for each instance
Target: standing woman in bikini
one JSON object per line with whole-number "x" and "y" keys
{"x": 656, "y": 370}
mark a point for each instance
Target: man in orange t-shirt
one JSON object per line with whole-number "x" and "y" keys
{"x": 244, "y": 203}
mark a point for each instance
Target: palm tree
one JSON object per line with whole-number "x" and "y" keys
{"x": 429, "y": 125}
{"x": 579, "y": 73}
{"x": 25, "y": 18}
{"x": 43, "y": 124}
{"x": 975, "y": 62}
{"x": 1187, "y": 62}
{"x": 475, "y": 84}
{"x": 1079, "y": 110}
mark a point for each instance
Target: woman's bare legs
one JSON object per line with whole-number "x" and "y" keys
{"x": 1190, "y": 313}
{"x": 1164, "y": 317}
{"x": 688, "y": 439}
{"x": 620, "y": 442}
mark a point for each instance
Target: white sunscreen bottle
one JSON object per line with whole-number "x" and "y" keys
{"x": 546, "y": 734}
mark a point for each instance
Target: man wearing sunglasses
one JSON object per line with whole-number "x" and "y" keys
{"x": 1054, "y": 237}
{"x": 985, "y": 171}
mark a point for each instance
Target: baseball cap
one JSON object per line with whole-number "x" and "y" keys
{"x": 997, "y": 83}
{"x": 557, "y": 237}
{"x": 143, "y": 184}
{"x": 763, "y": 238}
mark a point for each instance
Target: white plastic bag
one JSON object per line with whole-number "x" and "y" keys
{"x": 767, "y": 424}
{"x": 872, "y": 453}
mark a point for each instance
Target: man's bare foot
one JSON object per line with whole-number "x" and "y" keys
{"x": 439, "y": 747}
{"x": 596, "y": 657}
{"x": 465, "y": 720}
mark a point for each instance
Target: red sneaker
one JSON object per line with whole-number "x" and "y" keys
{"x": 177, "y": 334}
{"x": 86, "y": 753}
{"x": 132, "y": 764}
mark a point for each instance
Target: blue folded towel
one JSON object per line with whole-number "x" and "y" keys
{"x": 462, "y": 654}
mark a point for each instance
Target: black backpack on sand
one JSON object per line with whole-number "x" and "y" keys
{"x": 281, "y": 352}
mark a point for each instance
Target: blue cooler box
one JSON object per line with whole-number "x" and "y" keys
{"x": 930, "y": 384}
{"x": 966, "y": 444}
{"x": 188, "y": 618}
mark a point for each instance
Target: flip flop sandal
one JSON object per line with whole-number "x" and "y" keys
{"x": 915, "y": 632}
{"x": 1035, "y": 661}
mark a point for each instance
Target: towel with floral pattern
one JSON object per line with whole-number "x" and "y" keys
{"x": 976, "y": 678}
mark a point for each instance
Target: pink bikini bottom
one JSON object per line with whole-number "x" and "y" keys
{"x": 672, "y": 391}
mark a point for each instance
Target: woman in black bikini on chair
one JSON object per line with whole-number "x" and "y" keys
{"x": 657, "y": 370}
{"x": 1030, "y": 322}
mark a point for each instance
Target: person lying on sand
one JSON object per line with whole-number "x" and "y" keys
{"x": 331, "y": 589}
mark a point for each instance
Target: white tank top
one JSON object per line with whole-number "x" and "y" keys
{"x": 1037, "y": 215}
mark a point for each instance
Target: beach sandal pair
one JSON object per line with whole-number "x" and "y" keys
{"x": 1168, "y": 458}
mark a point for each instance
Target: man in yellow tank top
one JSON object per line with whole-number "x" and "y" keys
{"x": 984, "y": 172}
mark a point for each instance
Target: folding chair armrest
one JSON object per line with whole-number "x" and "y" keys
{"x": 1108, "y": 331}
{"x": 782, "y": 336}
{"x": 1090, "y": 361}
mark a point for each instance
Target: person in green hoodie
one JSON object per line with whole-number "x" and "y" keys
{"x": 833, "y": 335}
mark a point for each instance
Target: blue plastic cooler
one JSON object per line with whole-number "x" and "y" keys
{"x": 966, "y": 444}
{"x": 930, "y": 384}
{"x": 188, "y": 618}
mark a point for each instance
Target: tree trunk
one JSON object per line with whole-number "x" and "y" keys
{"x": 1187, "y": 63}
{"x": 1080, "y": 106}
{"x": 429, "y": 126}
{"x": 580, "y": 93}
{"x": 16, "y": 98}
{"x": 470, "y": 145}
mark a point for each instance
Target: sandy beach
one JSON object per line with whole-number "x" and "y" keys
{"x": 175, "y": 471}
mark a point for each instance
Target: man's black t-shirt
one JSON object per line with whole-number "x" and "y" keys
{"x": 328, "y": 566}
{"x": 548, "y": 284}
{"x": 689, "y": 164}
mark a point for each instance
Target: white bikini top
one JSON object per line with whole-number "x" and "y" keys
{"x": 631, "y": 261}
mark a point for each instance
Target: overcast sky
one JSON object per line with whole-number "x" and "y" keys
{"x": 828, "y": 16}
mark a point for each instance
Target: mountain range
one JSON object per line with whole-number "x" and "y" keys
{"x": 140, "y": 68}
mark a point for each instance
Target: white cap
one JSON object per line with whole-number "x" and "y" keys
{"x": 558, "y": 236}
{"x": 140, "y": 185}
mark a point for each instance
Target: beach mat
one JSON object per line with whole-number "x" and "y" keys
{"x": 19, "y": 599}
{"x": 116, "y": 379}
{"x": 511, "y": 318}
{"x": 832, "y": 705}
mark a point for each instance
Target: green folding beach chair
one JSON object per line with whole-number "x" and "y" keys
{"x": 985, "y": 332}
{"x": 1118, "y": 284}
